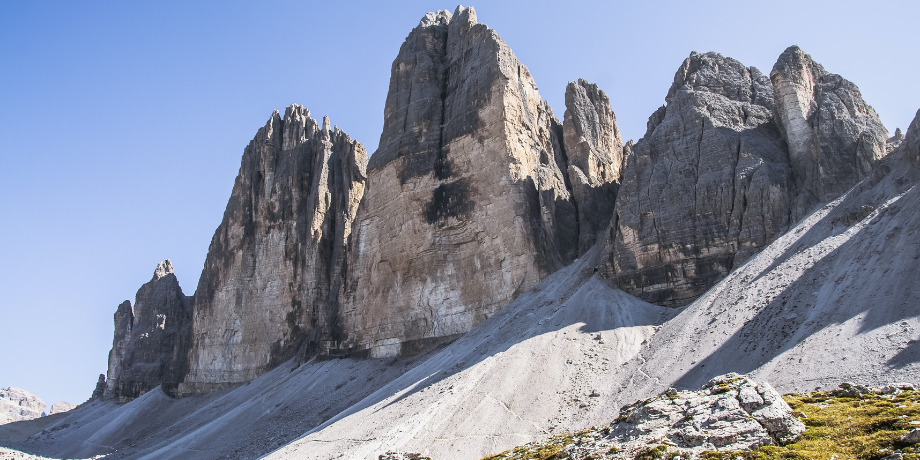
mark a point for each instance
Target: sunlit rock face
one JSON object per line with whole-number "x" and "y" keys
{"x": 17, "y": 405}
{"x": 834, "y": 137}
{"x": 273, "y": 272}
{"x": 466, "y": 204}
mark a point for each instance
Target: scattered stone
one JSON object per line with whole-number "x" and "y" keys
{"x": 393, "y": 455}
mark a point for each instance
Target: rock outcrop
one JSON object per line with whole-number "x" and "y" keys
{"x": 726, "y": 167}
{"x": 834, "y": 137}
{"x": 17, "y": 404}
{"x": 707, "y": 186}
{"x": 730, "y": 413}
{"x": 466, "y": 204}
{"x": 270, "y": 285}
{"x": 60, "y": 407}
{"x": 595, "y": 157}
{"x": 150, "y": 343}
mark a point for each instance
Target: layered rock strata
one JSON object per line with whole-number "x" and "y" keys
{"x": 466, "y": 204}
{"x": 151, "y": 337}
{"x": 273, "y": 274}
{"x": 706, "y": 187}
{"x": 595, "y": 157}
{"x": 834, "y": 137}
{"x": 725, "y": 167}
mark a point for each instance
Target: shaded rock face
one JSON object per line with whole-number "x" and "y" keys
{"x": 150, "y": 343}
{"x": 270, "y": 285}
{"x": 707, "y": 187}
{"x": 17, "y": 404}
{"x": 595, "y": 156}
{"x": 834, "y": 137}
{"x": 466, "y": 204}
{"x": 728, "y": 164}
{"x": 912, "y": 140}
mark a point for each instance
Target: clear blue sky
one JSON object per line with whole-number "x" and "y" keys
{"x": 122, "y": 123}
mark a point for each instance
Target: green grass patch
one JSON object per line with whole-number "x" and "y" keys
{"x": 867, "y": 428}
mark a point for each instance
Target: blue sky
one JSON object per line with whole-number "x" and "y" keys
{"x": 122, "y": 123}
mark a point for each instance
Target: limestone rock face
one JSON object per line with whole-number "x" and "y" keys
{"x": 834, "y": 137}
{"x": 269, "y": 288}
{"x": 466, "y": 204}
{"x": 17, "y": 404}
{"x": 149, "y": 347}
{"x": 61, "y": 406}
{"x": 595, "y": 156}
{"x": 708, "y": 186}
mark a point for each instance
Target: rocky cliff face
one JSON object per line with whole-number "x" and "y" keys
{"x": 17, "y": 404}
{"x": 273, "y": 272}
{"x": 595, "y": 154}
{"x": 477, "y": 192}
{"x": 466, "y": 204}
{"x": 834, "y": 137}
{"x": 706, "y": 187}
{"x": 728, "y": 165}
{"x": 150, "y": 344}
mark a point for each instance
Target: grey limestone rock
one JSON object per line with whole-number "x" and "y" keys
{"x": 17, "y": 404}
{"x": 270, "y": 285}
{"x": 60, "y": 407}
{"x": 150, "y": 343}
{"x": 466, "y": 204}
{"x": 731, "y": 412}
{"x": 706, "y": 188}
{"x": 834, "y": 137}
{"x": 595, "y": 158}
